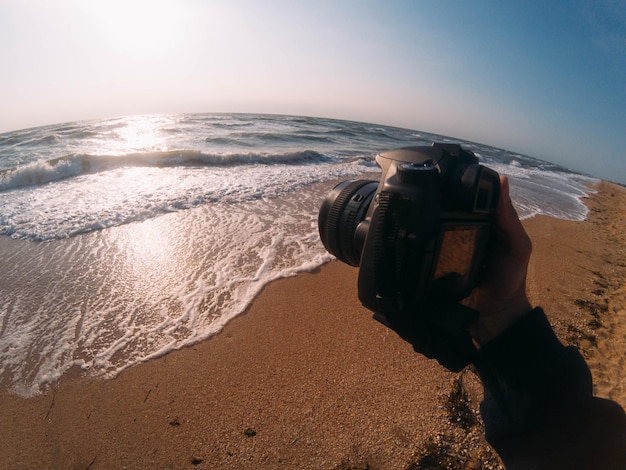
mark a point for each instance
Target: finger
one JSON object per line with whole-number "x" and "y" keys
{"x": 512, "y": 231}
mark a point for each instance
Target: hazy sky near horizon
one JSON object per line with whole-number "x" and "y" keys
{"x": 547, "y": 79}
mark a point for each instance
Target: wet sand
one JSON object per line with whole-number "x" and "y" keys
{"x": 306, "y": 379}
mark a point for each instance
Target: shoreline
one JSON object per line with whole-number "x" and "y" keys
{"x": 306, "y": 379}
{"x": 585, "y": 297}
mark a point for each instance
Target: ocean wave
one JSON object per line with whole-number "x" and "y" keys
{"x": 253, "y": 138}
{"x": 38, "y": 141}
{"x": 228, "y": 141}
{"x": 231, "y": 124}
{"x": 10, "y": 139}
{"x": 38, "y": 138}
{"x": 43, "y": 172}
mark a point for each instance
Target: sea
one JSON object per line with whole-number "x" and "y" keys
{"x": 123, "y": 239}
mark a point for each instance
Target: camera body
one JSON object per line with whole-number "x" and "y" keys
{"x": 420, "y": 235}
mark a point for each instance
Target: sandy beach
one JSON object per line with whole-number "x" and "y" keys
{"x": 306, "y": 379}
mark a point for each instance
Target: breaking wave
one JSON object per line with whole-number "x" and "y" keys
{"x": 42, "y": 172}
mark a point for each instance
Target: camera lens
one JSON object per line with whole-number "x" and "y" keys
{"x": 341, "y": 212}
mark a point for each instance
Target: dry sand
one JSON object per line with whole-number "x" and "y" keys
{"x": 306, "y": 379}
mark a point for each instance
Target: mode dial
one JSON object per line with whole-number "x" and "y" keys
{"x": 417, "y": 173}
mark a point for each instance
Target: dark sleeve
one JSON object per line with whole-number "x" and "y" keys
{"x": 539, "y": 410}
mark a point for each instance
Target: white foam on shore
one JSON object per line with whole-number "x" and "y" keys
{"x": 130, "y": 194}
{"x": 106, "y": 300}
{"x": 546, "y": 192}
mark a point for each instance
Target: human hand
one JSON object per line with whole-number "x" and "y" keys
{"x": 501, "y": 297}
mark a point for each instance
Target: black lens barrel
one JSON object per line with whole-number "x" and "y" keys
{"x": 340, "y": 214}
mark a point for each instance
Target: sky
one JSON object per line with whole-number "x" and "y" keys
{"x": 546, "y": 79}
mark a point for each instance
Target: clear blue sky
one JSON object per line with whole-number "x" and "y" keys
{"x": 543, "y": 78}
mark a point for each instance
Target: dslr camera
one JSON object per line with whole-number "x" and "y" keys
{"x": 420, "y": 235}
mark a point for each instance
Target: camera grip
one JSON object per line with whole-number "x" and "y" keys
{"x": 438, "y": 332}
{"x": 385, "y": 247}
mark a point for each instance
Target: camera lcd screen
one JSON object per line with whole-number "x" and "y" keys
{"x": 456, "y": 254}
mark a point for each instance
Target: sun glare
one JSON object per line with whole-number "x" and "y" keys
{"x": 146, "y": 28}
{"x": 141, "y": 134}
